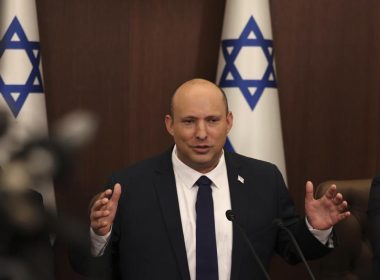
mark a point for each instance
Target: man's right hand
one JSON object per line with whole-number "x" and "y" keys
{"x": 103, "y": 210}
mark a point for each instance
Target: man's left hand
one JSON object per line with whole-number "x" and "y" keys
{"x": 325, "y": 212}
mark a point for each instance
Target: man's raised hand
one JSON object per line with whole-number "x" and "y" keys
{"x": 103, "y": 210}
{"x": 325, "y": 212}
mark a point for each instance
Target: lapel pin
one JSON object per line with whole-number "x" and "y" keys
{"x": 240, "y": 179}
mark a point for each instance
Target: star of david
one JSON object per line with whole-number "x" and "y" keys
{"x": 252, "y": 89}
{"x": 16, "y": 39}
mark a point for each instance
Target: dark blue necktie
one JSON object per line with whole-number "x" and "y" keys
{"x": 206, "y": 254}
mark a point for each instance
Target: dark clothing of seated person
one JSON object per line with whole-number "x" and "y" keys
{"x": 25, "y": 250}
{"x": 374, "y": 220}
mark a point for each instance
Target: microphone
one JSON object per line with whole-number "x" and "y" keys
{"x": 232, "y": 217}
{"x": 284, "y": 226}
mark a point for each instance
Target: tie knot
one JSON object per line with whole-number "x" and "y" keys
{"x": 203, "y": 181}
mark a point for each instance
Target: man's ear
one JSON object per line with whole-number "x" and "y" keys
{"x": 230, "y": 120}
{"x": 169, "y": 124}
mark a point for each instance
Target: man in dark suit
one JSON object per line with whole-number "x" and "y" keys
{"x": 149, "y": 225}
{"x": 374, "y": 221}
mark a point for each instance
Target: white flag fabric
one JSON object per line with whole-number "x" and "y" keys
{"x": 21, "y": 83}
{"x": 246, "y": 72}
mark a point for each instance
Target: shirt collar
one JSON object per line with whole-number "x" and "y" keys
{"x": 189, "y": 176}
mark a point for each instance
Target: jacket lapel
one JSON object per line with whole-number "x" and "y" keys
{"x": 239, "y": 204}
{"x": 167, "y": 196}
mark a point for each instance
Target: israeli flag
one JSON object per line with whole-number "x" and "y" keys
{"x": 21, "y": 81}
{"x": 246, "y": 72}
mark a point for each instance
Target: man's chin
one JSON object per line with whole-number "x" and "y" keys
{"x": 203, "y": 163}
{"x": 201, "y": 158}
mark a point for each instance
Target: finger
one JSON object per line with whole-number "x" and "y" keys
{"x": 309, "y": 191}
{"x": 104, "y": 194}
{"x": 343, "y": 206}
{"x": 116, "y": 193}
{"x": 99, "y": 214}
{"x": 99, "y": 204}
{"x": 331, "y": 192}
{"x": 338, "y": 199}
{"x": 98, "y": 224}
{"x": 344, "y": 215}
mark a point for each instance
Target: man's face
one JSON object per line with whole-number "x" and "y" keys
{"x": 199, "y": 124}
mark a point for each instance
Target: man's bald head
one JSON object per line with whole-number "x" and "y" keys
{"x": 193, "y": 83}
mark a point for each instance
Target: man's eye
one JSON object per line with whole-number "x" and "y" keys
{"x": 213, "y": 120}
{"x": 188, "y": 121}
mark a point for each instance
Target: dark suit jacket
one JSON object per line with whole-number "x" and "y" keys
{"x": 374, "y": 221}
{"x": 147, "y": 240}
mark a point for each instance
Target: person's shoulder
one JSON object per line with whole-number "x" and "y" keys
{"x": 260, "y": 170}
{"x": 233, "y": 157}
{"x": 376, "y": 180}
{"x": 146, "y": 166}
{"x": 375, "y": 187}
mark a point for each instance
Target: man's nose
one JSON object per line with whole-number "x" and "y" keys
{"x": 201, "y": 131}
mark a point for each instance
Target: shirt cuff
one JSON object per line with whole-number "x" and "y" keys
{"x": 98, "y": 243}
{"x": 324, "y": 236}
